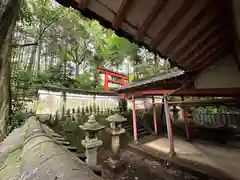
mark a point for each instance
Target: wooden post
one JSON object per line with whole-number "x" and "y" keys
{"x": 106, "y": 82}
{"x": 134, "y": 119}
{"x": 122, "y": 82}
{"x": 169, "y": 126}
{"x": 154, "y": 116}
{"x": 185, "y": 119}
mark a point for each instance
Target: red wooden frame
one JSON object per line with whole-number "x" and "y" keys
{"x": 234, "y": 92}
{"x": 108, "y": 73}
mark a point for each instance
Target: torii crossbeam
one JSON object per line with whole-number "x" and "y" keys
{"x": 122, "y": 78}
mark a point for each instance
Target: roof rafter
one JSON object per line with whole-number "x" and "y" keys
{"x": 83, "y": 4}
{"x": 203, "y": 14}
{"x": 121, "y": 14}
{"x": 211, "y": 60}
{"x": 173, "y": 21}
{"x": 160, "y": 4}
{"x": 205, "y": 43}
{"x": 211, "y": 26}
{"x": 208, "y": 55}
{"x": 206, "y": 49}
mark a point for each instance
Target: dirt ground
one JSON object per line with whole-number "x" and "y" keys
{"x": 140, "y": 167}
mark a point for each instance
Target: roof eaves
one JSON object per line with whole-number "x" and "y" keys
{"x": 153, "y": 80}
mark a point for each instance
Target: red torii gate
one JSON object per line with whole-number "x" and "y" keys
{"x": 108, "y": 73}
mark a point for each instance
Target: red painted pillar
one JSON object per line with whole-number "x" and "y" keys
{"x": 134, "y": 119}
{"x": 122, "y": 83}
{"x": 106, "y": 82}
{"x": 154, "y": 116}
{"x": 185, "y": 118}
{"x": 169, "y": 127}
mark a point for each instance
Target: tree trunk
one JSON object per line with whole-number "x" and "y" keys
{"x": 9, "y": 10}
{"x": 77, "y": 70}
{"x": 39, "y": 57}
{"x": 51, "y": 60}
{"x": 45, "y": 59}
{"x": 32, "y": 59}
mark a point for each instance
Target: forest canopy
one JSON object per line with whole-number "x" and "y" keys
{"x": 48, "y": 44}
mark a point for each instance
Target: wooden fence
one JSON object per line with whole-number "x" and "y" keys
{"x": 216, "y": 119}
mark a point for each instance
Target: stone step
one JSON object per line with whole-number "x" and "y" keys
{"x": 128, "y": 129}
{"x": 56, "y": 135}
{"x": 141, "y": 129}
{"x": 81, "y": 156}
{"x": 59, "y": 139}
{"x": 126, "y": 122}
{"x": 143, "y": 133}
{"x": 71, "y": 148}
{"x": 66, "y": 143}
{"x": 127, "y": 126}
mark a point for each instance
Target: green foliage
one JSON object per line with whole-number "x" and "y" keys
{"x": 58, "y": 46}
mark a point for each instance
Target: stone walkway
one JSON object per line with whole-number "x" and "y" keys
{"x": 225, "y": 160}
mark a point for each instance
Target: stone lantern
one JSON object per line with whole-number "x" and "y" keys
{"x": 116, "y": 130}
{"x": 175, "y": 112}
{"x": 91, "y": 141}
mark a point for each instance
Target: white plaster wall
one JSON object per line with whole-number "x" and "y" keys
{"x": 50, "y": 102}
{"x": 224, "y": 74}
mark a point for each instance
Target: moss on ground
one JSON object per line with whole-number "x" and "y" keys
{"x": 11, "y": 166}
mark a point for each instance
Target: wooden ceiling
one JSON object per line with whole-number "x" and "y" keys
{"x": 192, "y": 33}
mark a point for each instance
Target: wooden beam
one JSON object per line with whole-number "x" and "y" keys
{"x": 153, "y": 92}
{"x": 209, "y": 10}
{"x": 173, "y": 21}
{"x": 211, "y": 26}
{"x": 134, "y": 119}
{"x": 211, "y": 59}
{"x": 201, "y": 44}
{"x": 208, "y": 56}
{"x": 121, "y": 14}
{"x": 160, "y": 4}
{"x": 115, "y": 82}
{"x": 203, "y": 101}
{"x": 113, "y": 74}
{"x": 154, "y": 116}
{"x": 235, "y": 37}
{"x": 213, "y": 92}
{"x": 169, "y": 127}
{"x": 203, "y": 48}
{"x": 82, "y": 4}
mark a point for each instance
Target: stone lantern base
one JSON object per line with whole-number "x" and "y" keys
{"x": 91, "y": 151}
{"x": 112, "y": 168}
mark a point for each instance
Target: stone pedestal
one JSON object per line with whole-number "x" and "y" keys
{"x": 112, "y": 168}
{"x": 114, "y": 165}
{"x": 91, "y": 141}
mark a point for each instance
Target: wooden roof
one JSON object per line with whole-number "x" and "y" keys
{"x": 192, "y": 33}
{"x": 176, "y": 83}
{"x": 168, "y": 80}
{"x": 76, "y": 91}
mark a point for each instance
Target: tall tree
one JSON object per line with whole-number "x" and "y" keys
{"x": 9, "y": 10}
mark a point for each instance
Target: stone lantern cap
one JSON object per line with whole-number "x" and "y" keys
{"x": 174, "y": 109}
{"x": 116, "y": 118}
{"x": 91, "y": 125}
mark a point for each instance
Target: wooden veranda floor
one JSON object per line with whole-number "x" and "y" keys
{"x": 220, "y": 161}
